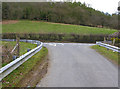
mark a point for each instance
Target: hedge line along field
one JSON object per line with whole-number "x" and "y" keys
{"x": 25, "y": 26}
{"x": 56, "y": 37}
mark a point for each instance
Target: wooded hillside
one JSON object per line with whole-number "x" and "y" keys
{"x": 67, "y": 12}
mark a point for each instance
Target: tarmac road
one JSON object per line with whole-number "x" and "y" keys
{"x": 77, "y": 65}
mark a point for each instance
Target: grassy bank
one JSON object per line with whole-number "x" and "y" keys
{"x": 14, "y": 78}
{"x": 8, "y": 46}
{"x": 109, "y": 54}
{"x": 23, "y": 46}
{"x": 45, "y": 27}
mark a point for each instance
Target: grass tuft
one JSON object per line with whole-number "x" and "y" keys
{"x": 109, "y": 54}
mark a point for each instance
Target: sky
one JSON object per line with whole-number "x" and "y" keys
{"x": 109, "y": 6}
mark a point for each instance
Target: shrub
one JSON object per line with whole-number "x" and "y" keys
{"x": 56, "y": 37}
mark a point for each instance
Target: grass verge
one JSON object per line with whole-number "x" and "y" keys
{"x": 10, "y": 45}
{"x": 23, "y": 46}
{"x": 109, "y": 54}
{"x": 14, "y": 78}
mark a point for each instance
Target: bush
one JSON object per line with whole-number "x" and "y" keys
{"x": 56, "y": 37}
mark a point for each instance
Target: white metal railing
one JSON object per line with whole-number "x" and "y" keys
{"x": 4, "y": 71}
{"x": 114, "y": 48}
{"x": 22, "y": 40}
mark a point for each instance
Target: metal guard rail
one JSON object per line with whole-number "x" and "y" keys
{"x": 114, "y": 48}
{"x": 4, "y": 71}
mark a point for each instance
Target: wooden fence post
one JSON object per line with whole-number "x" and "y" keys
{"x": 18, "y": 47}
{"x": 104, "y": 40}
{"x": 113, "y": 41}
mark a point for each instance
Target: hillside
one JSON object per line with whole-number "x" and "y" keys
{"x": 64, "y": 12}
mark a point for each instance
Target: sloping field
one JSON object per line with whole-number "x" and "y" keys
{"x": 47, "y": 27}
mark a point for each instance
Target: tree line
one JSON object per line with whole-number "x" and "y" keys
{"x": 59, "y": 12}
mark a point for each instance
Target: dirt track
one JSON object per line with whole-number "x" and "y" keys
{"x": 9, "y": 22}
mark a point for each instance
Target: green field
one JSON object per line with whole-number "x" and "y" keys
{"x": 44, "y": 27}
{"x": 109, "y": 54}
